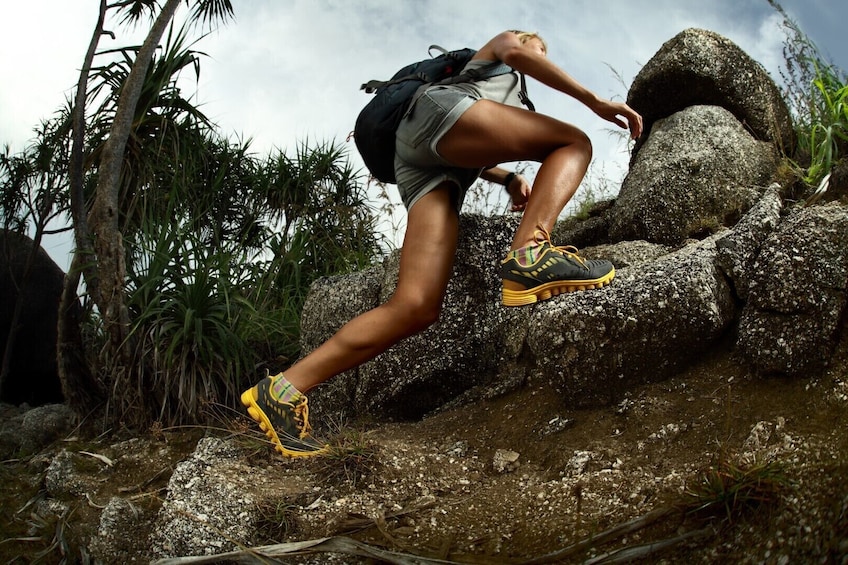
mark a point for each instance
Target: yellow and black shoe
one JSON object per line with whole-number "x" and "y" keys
{"x": 548, "y": 270}
{"x": 285, "y": 424}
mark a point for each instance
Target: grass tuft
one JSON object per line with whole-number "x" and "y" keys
{"x": 351, "y": 458}
{"x": 733, "y": 490}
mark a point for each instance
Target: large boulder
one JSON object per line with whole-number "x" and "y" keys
{"x": 26, "y": 431}
{"x": 331, "y": 303}
{"x": 698, "y": 67}
{"x": 462, "y": 350}
{"x": 33, "y": 375}
{"x": 592, "y": 345}
{"x": 796, "y": 306}
{"x": 739, "y": 248}
{"x": 210, "y": 507}
{"x": 649, "y": 324}
{"x": 698, "y": 171}
{"x": 786, "y": 278}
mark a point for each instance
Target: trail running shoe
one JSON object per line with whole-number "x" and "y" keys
{"x": 287, "y": 425}
{"x": 555, "y": 270}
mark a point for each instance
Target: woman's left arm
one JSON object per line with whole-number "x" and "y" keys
{"x": 516, "y": 185}
{"x": 507, "y": 48}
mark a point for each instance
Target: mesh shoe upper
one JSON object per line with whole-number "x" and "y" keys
{"x": 554, "y": 264}
{"x": 287, "y": 425}
{"x": 551, "y": 271}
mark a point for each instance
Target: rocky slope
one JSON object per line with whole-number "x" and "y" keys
{"x": 515, "y": 478}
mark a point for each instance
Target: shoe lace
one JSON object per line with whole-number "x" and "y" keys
{"x": 301, "y": 414}
{"x": 541, "y": 236}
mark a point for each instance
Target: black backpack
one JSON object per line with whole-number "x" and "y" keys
{"x": 374, "y": 132}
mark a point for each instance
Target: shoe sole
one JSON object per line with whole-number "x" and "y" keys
{"x": 551, "y": 289}
{"x": 248, "y": 399}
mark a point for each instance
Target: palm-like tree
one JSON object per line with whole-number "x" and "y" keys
{"x": 105, "y": 215}
{"x": 203, "y": 252}
{"x": 101, "y": 259}
{"x": 166, "y": 128}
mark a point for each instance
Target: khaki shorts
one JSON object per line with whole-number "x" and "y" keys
{"x": 418, "y": 166}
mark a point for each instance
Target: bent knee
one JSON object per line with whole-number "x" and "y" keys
{"x": 423, "y": 317}
{"x": 583, "y": 144}
{"x": 417, "y": 315}
{"x": 574, "y": 141}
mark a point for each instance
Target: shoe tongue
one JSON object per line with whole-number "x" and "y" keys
{"x": 571, "y": 252}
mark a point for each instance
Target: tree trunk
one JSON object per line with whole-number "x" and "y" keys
{"x": 108, "y": 244}
{"x": 82, "y": 232}
{"x": 81, "y": 390}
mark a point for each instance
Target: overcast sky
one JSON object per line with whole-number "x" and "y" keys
{"x": 289, "y": 70}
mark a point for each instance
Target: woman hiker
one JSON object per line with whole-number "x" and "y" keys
{"x": 454, "y": 135}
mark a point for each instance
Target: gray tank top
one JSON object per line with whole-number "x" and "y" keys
{"x": 501, "y": 88}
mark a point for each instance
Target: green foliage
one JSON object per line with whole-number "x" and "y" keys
{"x": 193, "y": 328}
{"x": 277, "y": 520}
{"x": 221, "y": 245}
{"x": 219, "y": 270}
{"x": 326, "y": 226}
{"x": 817, "y": 95}
{"x": 352, "y": 458}
{"x": 826, "y": 136}
{"x": 33, "y": 182}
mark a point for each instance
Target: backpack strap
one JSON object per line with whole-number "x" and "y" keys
{"x": 371, "y": 86}
{"x": 488, "y": 71}
{"x": 522, "y": 94}
{"x": 437, "y": 48}
{"x": 493, "y": 69}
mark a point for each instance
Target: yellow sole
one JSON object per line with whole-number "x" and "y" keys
{"x": 248, "y": 399}
{"x": 551, "y": 289}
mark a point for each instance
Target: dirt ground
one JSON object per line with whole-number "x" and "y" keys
{"x": 752, "y": 470}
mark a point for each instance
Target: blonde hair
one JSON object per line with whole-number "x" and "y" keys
{"x": 525, "y": 36}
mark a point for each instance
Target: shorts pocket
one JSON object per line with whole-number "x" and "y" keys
{"x": 421, "y": 122}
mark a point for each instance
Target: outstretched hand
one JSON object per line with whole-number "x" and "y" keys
{"x": 620, "y": 114}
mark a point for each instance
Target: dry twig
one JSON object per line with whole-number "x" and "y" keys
{"x": 344, "y": 545}
{"x": 604, "y": 537}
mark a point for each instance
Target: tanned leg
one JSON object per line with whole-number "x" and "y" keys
{"x": 489, "y": 133}
{"x": 486, "y": 133}
{"x": 426, "y": 263}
